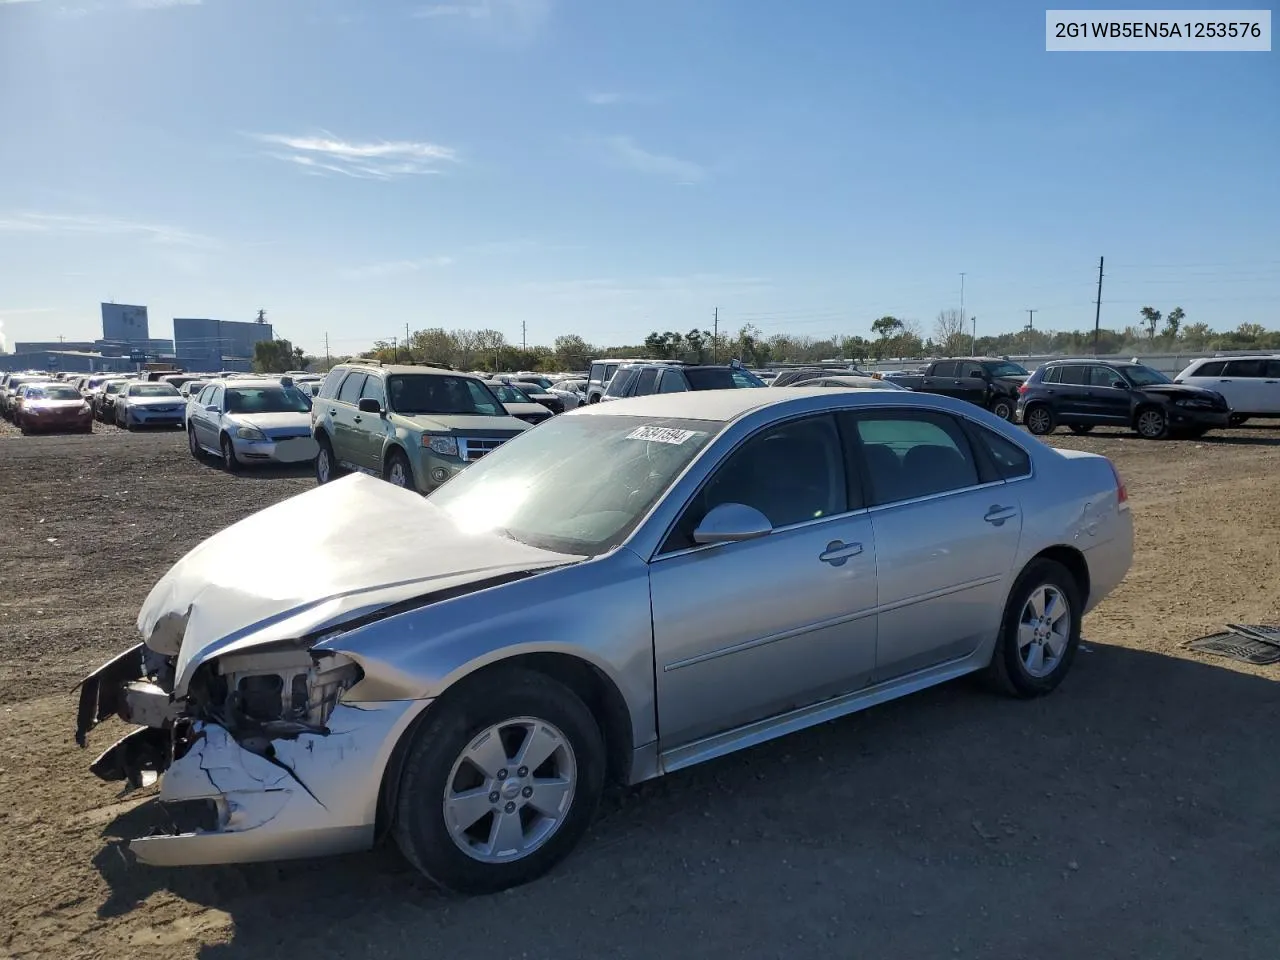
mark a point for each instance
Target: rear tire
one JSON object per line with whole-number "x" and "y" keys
{"x": 1237, "y": 420}
{"x": 1039, "y": 419}
{"x": 327, "y": 469}
{"x": 435, "y": 762}
{"x": 1003, "y": 408}
{"x": 1014, "y": 669}
{"x": 193, "y": 444}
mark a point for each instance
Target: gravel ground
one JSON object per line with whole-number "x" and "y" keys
{"x": 1129, "y": 815}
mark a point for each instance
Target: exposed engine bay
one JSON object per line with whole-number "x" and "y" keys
{"x": 256, "y": 697}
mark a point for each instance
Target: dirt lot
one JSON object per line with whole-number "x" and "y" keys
{"x": 1132, "y": 814}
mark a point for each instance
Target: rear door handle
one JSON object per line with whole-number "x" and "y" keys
{"x": 356, "y": 419}
{"x": 838, "y": 552}
{"x": 997, "y": 514}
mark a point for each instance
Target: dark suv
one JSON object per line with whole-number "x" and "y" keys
{"x": 642, "y": 379}
{"x": 1082, "y": 394}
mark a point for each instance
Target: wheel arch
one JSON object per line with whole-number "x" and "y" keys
{"x": 1075, "y": 563}
{"x": 591, "y": 684}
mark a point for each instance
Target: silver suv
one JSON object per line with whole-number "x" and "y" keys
{"x": 412, "y": 426}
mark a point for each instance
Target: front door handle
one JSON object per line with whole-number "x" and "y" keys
{"x": 356, "y": 419}
{"x": 997, "y": 514}
{"x": 838, "y": 552}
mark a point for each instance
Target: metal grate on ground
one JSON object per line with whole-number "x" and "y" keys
{"x": 1245, "y": 648}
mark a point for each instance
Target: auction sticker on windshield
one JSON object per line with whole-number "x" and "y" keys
{"x": 661, "y": 434}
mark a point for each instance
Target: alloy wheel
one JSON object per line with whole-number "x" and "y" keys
{"x": 1151, "y": 423}
{"x": 1044, "y": 630}
{"x": 1038, "y": 420}
{"x": 510, "y": 790}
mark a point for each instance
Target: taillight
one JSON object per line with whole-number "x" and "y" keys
{"x": 1122, "y": 495}
{"x": 1022, "y": 388}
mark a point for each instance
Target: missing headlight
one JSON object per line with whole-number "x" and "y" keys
{"x": 282, "y": 693}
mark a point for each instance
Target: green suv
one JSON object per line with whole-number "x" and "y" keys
{"x": 413, "y": 426}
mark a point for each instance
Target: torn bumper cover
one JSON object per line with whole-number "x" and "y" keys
{"x": 310, "y": 796}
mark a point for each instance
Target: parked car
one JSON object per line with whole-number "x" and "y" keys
{"x": 798, "y": 375}
{"x": 643, "y": 379}
{"x": 1082, "y": 394}
{"x": 859, "y": 383}
{"x": 989, "y": 383}
{"x": 518, "y": 404}
{"x": 191, "y": 389}
{"x": 103, "y": 399}
{"x": 147, "y": 403}
{"x": 9, "y": 389}
{"x": 246, "y": 422}
{"x": 50, "y": 407}
{"x": 1251, "y": 385}
{"x": 443, "y": 674}
{"x": 538, "y": 394}
{"x": 572, "y": 391}
{"x": 18, "y": 391}
{"x": 413, "y": 426}
{"x": 601, "y": 373}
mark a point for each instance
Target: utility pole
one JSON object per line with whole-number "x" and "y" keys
{"x": 327, "y": 362}
{"x": 964, "y": 318}
{"x": 406, "y": 340}
{"x": 715, "y": 336}
{"x": 395, "y": 352}
{"x": 1031, "y": 317}
{"x": 524, "y": 340}
{"x": 1097, "y": 313}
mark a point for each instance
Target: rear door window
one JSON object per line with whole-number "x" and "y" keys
{"x": 1213, "y": 368}
{"x": 945, "y": 368}
{"x": 351, "y": 387}
{"x": 1051, "y": 375}
{"x": 1273, "y": 370}
{"x": 1075, "y": 374}
{"x": 672, "y": 381}
{"x": 645, "y": 382}
{"x": 907, "y": 454}
{"x": 1251, "y": 367}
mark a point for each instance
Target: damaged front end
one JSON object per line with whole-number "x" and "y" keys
{"x": 258, "y": 751}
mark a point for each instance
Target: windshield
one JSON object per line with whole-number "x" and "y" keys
{"x": 56, "y": 393}
{"x": 1141, "y": 376}
{"x": 507, "y": 393}
{"x": 535, "y": 383}
{"x": 577, "y": 484}
{"x": 113, "y": 386}
{"x": 152, "y": 390}
{"x": 266, "y": 400}
{"x": 721, "y": 378}
{"x": 1006, "y": 369}
{"x": 414, "y": 394}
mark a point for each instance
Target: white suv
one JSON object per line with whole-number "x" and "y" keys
{"x": 1250, "y": 384}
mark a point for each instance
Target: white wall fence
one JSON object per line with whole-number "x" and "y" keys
{"x": 1167, "y": 363}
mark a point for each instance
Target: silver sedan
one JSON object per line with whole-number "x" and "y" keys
{"x": 250, "y": 421}
{"x": 630, "y": 589}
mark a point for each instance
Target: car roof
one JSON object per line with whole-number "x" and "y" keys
{"x": 1103, "y": 360}
{"x": 402, "y": 368}
{"x": 725, "y": 405}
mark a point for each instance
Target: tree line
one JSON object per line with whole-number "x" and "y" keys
{"x": 892, "y": 338}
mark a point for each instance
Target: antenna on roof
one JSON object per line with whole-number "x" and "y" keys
{"x": 262, "y": 316}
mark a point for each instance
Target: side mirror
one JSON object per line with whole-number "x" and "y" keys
{"x": 1120, "y": 384}
{"x": 731, "y": 522}
{"x": 370, "y": 405}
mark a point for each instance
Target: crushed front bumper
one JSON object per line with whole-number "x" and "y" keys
{"x": 312, "y": 794}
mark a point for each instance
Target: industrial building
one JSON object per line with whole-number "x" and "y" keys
{"x": 199, "y": 345}
{"x": 204, "y": 344}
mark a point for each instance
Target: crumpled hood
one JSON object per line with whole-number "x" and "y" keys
{"x": 313, "y": 562}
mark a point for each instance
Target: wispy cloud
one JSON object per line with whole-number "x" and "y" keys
{"x": 612, "y": 98}
{"x": 324, "y": 153}
{"x": 93, "y": 6}
{"x": 627, "y": 153}
{"x": 393, "y": 268}
{"x": 55, "y": 223}
{"x": 696, "y": 285}
{"x": 510, "y": 19}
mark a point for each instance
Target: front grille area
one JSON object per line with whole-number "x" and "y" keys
{"x": 473, "y": 448}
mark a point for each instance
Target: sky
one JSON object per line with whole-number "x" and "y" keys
{"x": 612, "y": 167}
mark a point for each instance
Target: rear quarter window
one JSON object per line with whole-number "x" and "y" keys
{"x": 329, "y": 388}
{"x": 1211, "y": 369}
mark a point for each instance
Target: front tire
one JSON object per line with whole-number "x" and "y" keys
{"x": 193, "y": 444}
{"x": 501, "y": 785}
{"x": 1151, "y": 423}
{"x": 398, "y": 472}
{"x": 1002, "y": 407}
{"x": 327, "y": 469}
{"x": 230, "y": 462}
{"x": 1039, "y": 419}
{"x": 1040, "y": 631}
